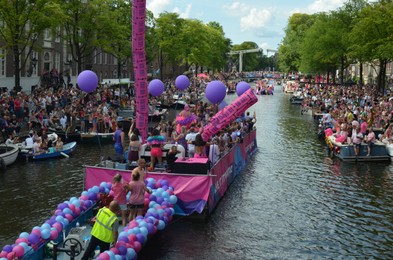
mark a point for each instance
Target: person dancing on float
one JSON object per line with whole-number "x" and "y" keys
{"x": 185, "y": 118}
{"x": 156, "y": 141}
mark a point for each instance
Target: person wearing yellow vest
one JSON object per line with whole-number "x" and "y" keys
{"x": 105, "y": 229}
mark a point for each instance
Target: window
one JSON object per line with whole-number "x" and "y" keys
{"x": 58, "y": 32}
{"x": 47, "y": 36}
{"x": 2, "y": 62}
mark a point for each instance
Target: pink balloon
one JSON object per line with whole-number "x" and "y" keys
{"x": 11, "y": 256}
{"x": 3, "y": 254}
{"x": 72, "y": 207}
{"x": 77, "y": 211}
{"x": 104, "y": 256}
{"x": 37, "y": 232}
{"x": 53, "y": 234}
{"x": 21, "y": 239}
{"x": 18, "y": 250}
{"x": 114, "y": 250}
{"x": 58, "y": 226}
{"x": 69, "y": 217}
{"x": 137, "y": 246}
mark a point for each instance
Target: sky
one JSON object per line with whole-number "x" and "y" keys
{"x": 259, "y": 21}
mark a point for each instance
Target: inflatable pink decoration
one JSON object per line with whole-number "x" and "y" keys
{"x": 229, "y": 113}
{"x": 139, "y": 61}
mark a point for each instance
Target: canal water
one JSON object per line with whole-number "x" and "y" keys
{"x": 291, "y": 202}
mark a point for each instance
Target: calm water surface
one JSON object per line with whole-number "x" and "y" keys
{"x": 292, "y": 202}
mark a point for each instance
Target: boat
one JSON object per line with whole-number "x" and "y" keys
{"x": 346, "y": 152}
{"x": 97, "y": 138}
{"x": 198, "y": 184}
{"x": 155, "y": 116}
{"x": 290, "y": 87}
{"x": 68, "y": 148}
{"x": 64, "y": 135}
{"x": 8, "y": 155}
{"x": 296, "y": 100}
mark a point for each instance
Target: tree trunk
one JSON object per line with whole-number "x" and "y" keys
{"x": 161, "y": 64}
{"x": 327, "y": 77}
{"x": 381, "y": 75}
{"x": 342, "y": 70}
{"x": 16, "y": 66}
{"x": 361, "y": 74}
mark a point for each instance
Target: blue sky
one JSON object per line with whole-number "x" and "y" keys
{"x": 259, "y": 21}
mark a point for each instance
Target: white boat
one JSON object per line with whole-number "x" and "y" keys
{"x": 8, "y": 154}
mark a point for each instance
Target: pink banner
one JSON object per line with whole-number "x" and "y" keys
{"x": 186, "y": 187}
{"x": 229, "y": 113}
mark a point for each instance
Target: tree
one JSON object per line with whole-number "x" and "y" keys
{"x": 168, "y": 30}
{"x": 371, "y": 37}
{"x": 82, "y": 26}
{"x": 23, "y": 24}
{"x": 114, "y": 37}
{"x": 288, "y": 52}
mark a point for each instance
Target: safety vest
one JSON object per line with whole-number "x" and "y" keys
{"x": 102, "y": 229}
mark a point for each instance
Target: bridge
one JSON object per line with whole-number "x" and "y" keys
{"x": 241, "y": 52}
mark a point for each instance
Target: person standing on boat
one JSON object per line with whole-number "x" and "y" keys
{"x": 156, "y": 142}
{"x": 135, "y": 146}
{"x": 118, "y": 137}
{"x": 136, "y": 203}
{"x": 190, "y": 138}
{"x": 141, "y": 169}
{"x": 120, "y": 195}
{"x": 356, "y": 137}
{"x": 105, "y": 229}
{"x": 370, "y": 140}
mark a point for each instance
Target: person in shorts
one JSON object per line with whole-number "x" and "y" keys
{"x": 136, "y": 203}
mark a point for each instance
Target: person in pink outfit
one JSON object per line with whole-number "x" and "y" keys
{"x": 370, "y": 140}
{"x": 136, "y": 202}
{"x": 120, "y": 195}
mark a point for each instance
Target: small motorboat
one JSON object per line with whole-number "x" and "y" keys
{"x": 53, "y": 153}
{"x": 8, "y": 154}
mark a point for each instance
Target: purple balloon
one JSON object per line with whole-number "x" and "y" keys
{"x": 242, "y": 87}
{"x": 87, "y": 81}
{"x": 215, "y": 91}
{"x": 222, "y": 105}
{"x": 182, "y": 82}
{"x": 122, "y": 250}
{"x": 33, "y": 238}
{"x": 156, "y": 87}
{"x": 140, "y": 238}
{"x": 7, "y": 248}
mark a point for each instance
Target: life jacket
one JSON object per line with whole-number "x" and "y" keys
{"x": 102, "y": 229}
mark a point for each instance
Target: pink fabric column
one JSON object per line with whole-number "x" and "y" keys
{"x": 139, "y": 61}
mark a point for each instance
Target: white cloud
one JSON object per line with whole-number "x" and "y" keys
{"x": 320, "y": 6}
{"x": 157, "y": 6}
{"x": 237, "y": 8}
{"x": 186, "y": 13}
{"x": 255, "y": 19}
